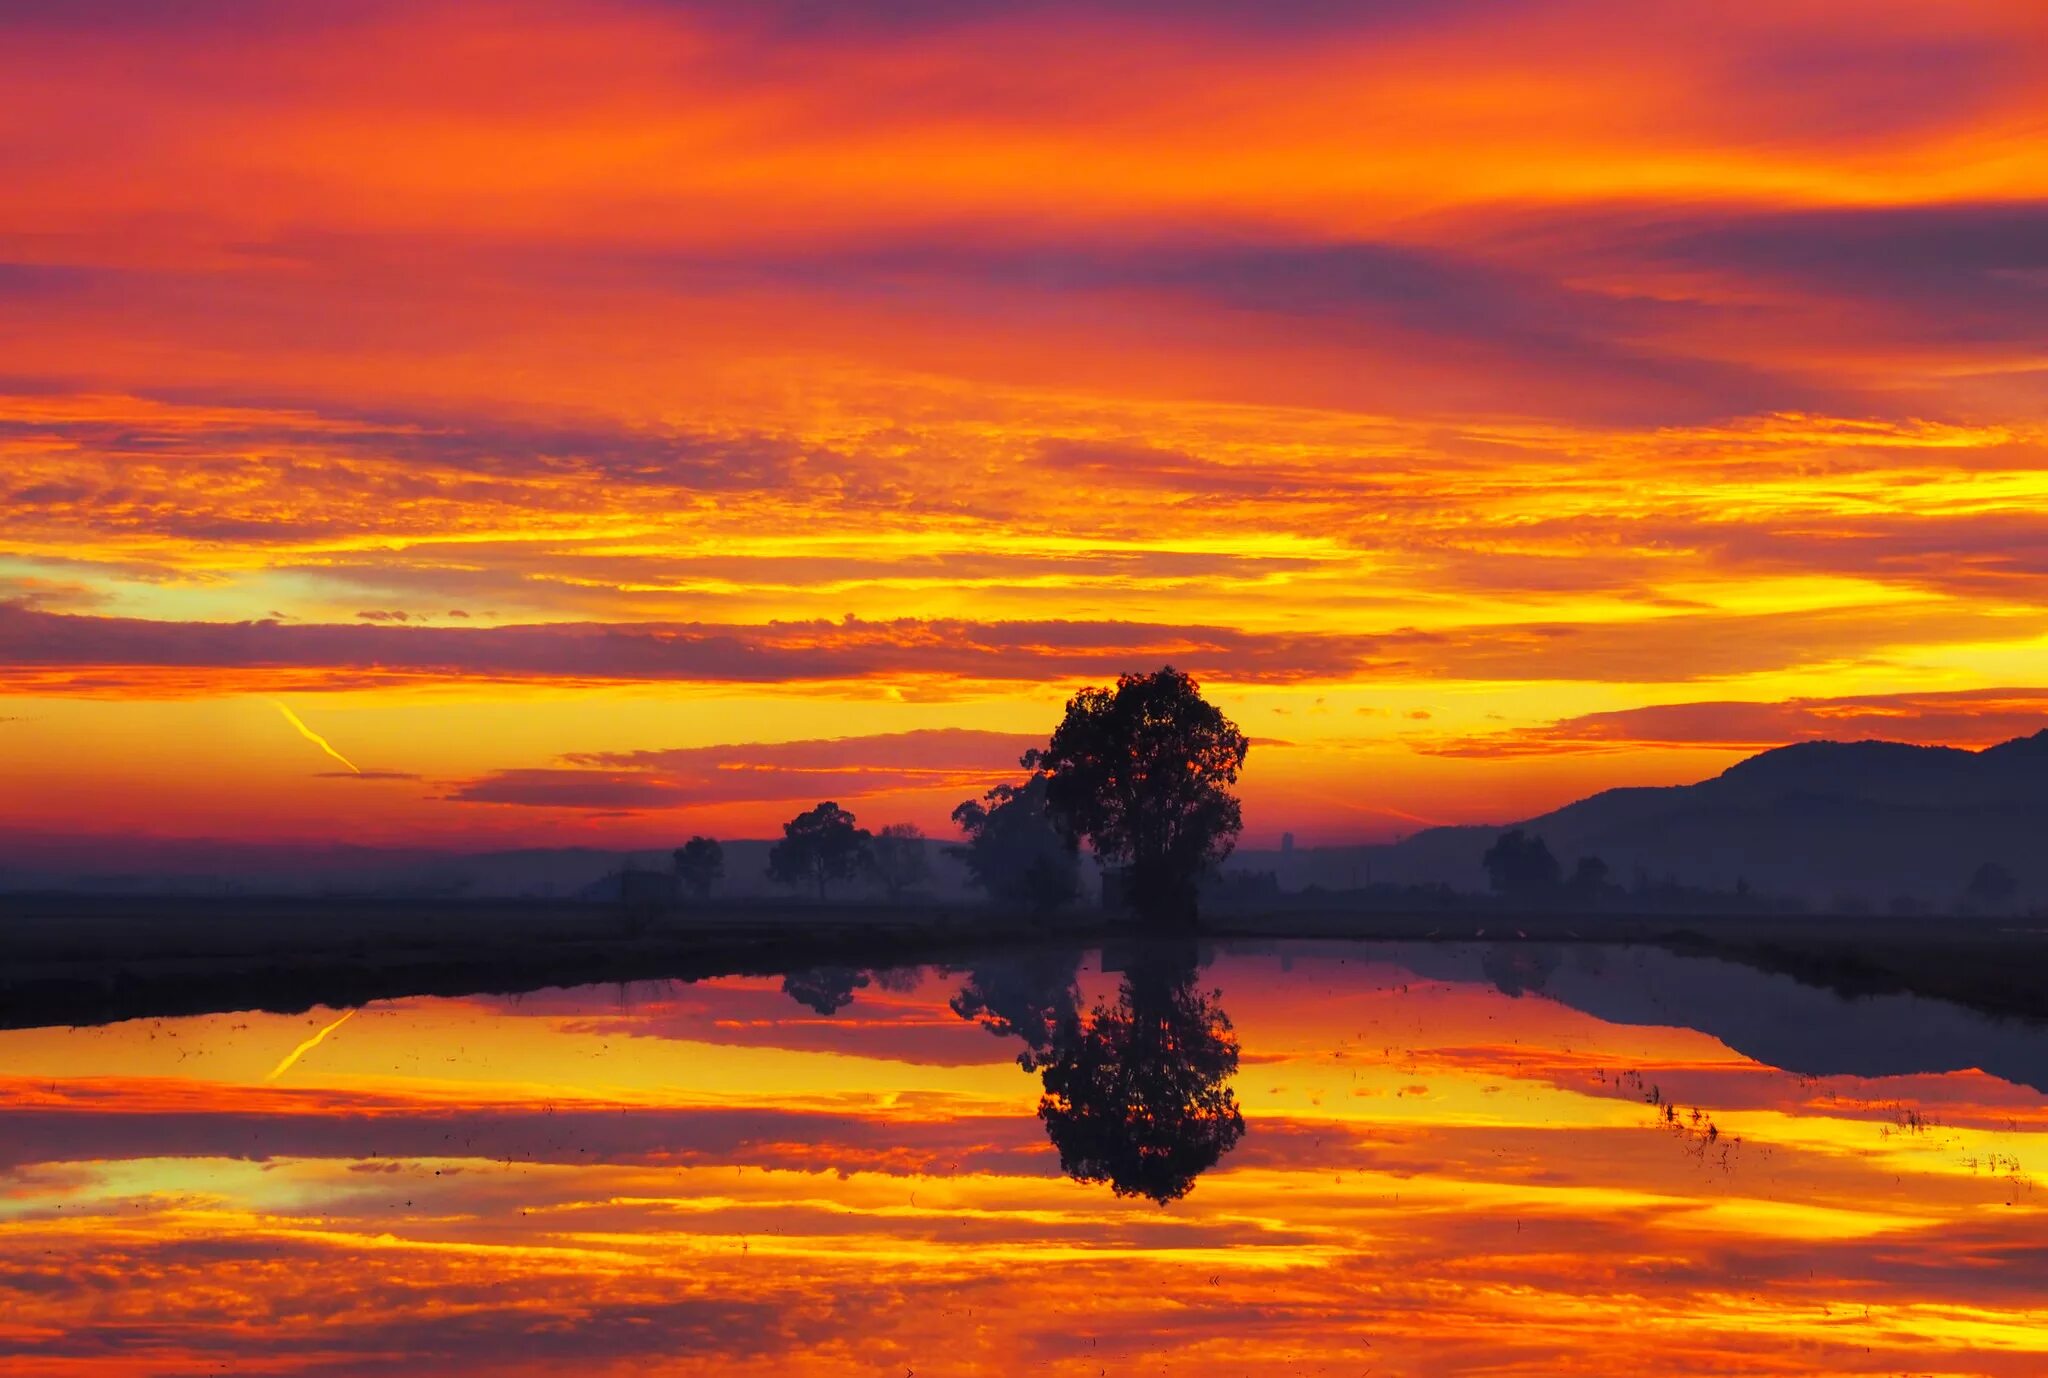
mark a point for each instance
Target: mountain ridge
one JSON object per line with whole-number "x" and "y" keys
{"x": 1872, "y": 821}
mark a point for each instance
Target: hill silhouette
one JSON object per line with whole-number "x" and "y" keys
{"x": 1847, "y": 824}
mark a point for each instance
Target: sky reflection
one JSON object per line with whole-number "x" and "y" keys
{"x": 1435, "y": 1176}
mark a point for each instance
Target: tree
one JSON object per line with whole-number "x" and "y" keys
{"x": 827, "y": 990}
{"x": 1138, "y": 1095}
{"x": 1030, "y": 996}
{"x": 1520, "y": 866}
{"x": 1991, "y": 887}
{"x": 1589, "y": 880}
{"x": 699, "y": 865}
{"x": 1013, "y": 851}
{"x": 818, "y": 847}
{"x": 897, "y": 859}
{"x": 1143, "y": 773}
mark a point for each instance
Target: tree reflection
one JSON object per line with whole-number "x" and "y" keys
{"x": 824, "y": 989}
{"x": 1029, "y": 998}
{"x": 1136, "y": 1091}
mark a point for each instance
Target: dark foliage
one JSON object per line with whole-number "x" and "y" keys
{"x": 1030, "y": 998}
{"x": 897, "y": 860}
{"x": 1991, "y": 887}
{"x": 1143, "y": 773}
{"x": 818, "y": 847}
{"x": 1137, "y": 1095}
{"x": 1520, "y": 866}
{"x": 1013, "y": 851}
{"x": 699, "y": 865}
{"x": 827, "y": 990}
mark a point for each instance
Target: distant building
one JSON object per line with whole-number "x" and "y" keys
{"x": 1287, "y": 844}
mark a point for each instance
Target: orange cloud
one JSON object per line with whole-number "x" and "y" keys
{"x": 1345, "y": 346}
{"x": 1969, "y": 718}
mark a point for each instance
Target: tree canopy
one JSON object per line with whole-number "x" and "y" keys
{"x": 1032, "y": 997}
{"x": 1013, "y": 851}
{"x": 819, "y": 846}
{"x": 699, "y": 865}
{"x": 1144, "y": 773}
{"x": 826, "y": 990}
{"x": 1520, "y": 865}
{"x": 1138, "y": 1094}
{"x": 897, "y": 860}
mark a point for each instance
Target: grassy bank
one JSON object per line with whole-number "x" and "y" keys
{"x": 72, "y": 959}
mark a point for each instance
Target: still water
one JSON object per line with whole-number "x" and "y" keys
{"x": 1250, "y": 1160}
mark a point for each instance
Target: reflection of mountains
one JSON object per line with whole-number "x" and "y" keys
{"x": 1766, "y": 1017}
{"x": 1136, "y": 1089}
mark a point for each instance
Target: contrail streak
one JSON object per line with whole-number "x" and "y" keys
{"x": 308, "y": 1046}
{"x": 314, "y": 737}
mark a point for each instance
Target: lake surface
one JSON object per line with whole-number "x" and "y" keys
{"x": 1257, "y": 1159}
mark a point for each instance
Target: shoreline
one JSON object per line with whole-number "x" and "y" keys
{"x": 75, "y": 959}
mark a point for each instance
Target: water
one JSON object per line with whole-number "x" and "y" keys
{"x": 1294, "y": 1159}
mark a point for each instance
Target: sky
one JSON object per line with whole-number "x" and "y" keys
{"x": 630, "y": 419}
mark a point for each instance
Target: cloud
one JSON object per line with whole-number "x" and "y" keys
{"x": 1361, "y": 324}
{"x": 1389, "y": 341}
{"x": 957, "y": 761}
{"x": 1970, "y": 718}
{"x": 95, "y": 654}
{"x": 1959, "y": 274}
{"x": 55, "y": 595}
{"x": 61, "y": 653}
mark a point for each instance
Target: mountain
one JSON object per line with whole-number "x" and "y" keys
{"x": 1843, "y": 824}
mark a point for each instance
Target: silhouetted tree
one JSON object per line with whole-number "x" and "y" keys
{"x": 1137, "y": 1095}
{"x": 824, "y": 989}
{"x": 1013, "y": 851}
{"x": 1991, "y": 887}
{"x": 1520, "y": 866}
{"x": 818, "y": 847}
{"x": 1143, "y": 772}
{"x": 1029, "y": 997}
{"x": 699, "y": 865}
{"x": 1589, "y": 880}
{"x": 897, "y": 860}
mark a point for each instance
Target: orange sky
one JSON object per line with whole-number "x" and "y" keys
{"x": 1436, "y": 1178}
{"x": 509, "y": 389}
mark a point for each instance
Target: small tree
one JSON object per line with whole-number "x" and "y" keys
{"x": 1143, "y": 773}
{"x": 827, "y": 990}
{"x": 1520, "y": 866}
{"x": 699, "y": 865}
{"x": 818, "y": 847}
{"x": 1991, "y": 887}
{"x": 897, "y": 859}
{"x": 1013, "y": 851}
{"x": 1589, "y": 880}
